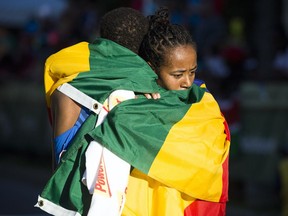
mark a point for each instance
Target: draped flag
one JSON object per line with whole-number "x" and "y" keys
{"x": 181, "y": 141}
{"x": 103, "y": 64}
{"x": 178, "y": 145}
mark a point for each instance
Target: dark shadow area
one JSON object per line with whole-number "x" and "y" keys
{"x": 23, "y": 176}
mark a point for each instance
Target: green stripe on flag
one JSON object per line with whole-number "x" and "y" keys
{"x": 114, "y": 67}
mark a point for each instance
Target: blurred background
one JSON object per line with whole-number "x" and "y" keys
{"x": 242, "y": 56}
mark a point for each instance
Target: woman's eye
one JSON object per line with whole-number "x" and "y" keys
{"x": 192, "y": 73}
{"x": 177, "y": 75}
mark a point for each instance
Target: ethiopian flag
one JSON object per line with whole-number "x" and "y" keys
{"x": 178, "y": 145}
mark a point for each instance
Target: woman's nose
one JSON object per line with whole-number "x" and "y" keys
{"x": 187, "y": 82}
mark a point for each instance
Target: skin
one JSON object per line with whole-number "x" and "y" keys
{"x": 178, "y": 72}
{"x": 65, "y": 113}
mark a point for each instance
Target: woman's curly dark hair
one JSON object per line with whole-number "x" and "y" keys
{"x": 162, "y": 36}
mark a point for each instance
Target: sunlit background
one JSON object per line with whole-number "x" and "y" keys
{"x": 242, "y": 56}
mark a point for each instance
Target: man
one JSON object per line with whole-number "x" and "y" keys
{"x": 124, "y": 26}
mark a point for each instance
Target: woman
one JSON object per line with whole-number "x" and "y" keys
{"x": 171, "y": 53}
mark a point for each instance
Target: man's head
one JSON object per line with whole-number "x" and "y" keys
{"x": 124, "y": 26}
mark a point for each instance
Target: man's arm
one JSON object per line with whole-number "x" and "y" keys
{"x": 65, "y": 113}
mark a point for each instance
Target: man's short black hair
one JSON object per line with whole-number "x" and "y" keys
{"x": 125, "y": 26}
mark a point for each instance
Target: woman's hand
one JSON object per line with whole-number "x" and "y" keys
{"x": 152, "y": 95}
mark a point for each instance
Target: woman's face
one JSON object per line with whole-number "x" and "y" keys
{"x": 178, "y": 73}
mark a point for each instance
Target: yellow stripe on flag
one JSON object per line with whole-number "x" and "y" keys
{"x": 64, "y": 66}
{"x": 193, "y": 151}
{"x": 145, "y": 196}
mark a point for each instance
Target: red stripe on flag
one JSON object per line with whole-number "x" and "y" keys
{"x": 227, "y": 131}
{"x": 204, "y": 208}
{"x": 225, "y": 166}
{"x": 225, "y": 181}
